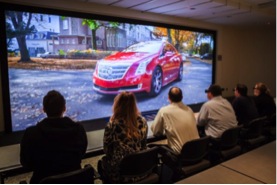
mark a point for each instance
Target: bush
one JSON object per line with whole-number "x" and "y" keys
{"x": 87, "y": 54}
{"x": 61, "y": 52}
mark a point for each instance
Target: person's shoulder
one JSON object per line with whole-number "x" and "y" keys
{"x": 141, "y": 118}
{"x": 114, "y": 123}
{"x": 71, "y": 124}
{"x": 240, "y": 99}
{"x": 166, "y": 107}
{"x": 70, "y": 121}
{"x": 31, "y": 129}
{"x": 208, "y": 103}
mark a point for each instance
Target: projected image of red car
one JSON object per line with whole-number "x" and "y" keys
{"x": 142, "y": 67}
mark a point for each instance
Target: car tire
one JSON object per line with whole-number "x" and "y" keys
{"x": 180, "y": 75}
{"x": 156, "y": 82}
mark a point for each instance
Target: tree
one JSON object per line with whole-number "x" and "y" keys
{"x": 198, "y": 40}
{"x": 10, "y": 34}
{"x": 204, "y": 48}
{"x": 94, "y": 25}
{"x": 19, "y": 30}
{"x": 181, "y": 38}
{"x": 160, "y": 32}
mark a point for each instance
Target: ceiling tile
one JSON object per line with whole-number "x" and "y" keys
{"x": 153, "y": 4}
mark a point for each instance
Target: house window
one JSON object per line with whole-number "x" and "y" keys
{"x": 99, "y": 42}
{"x": 40, "y": 35}
{"x": 32, "y": 36}
{"x": 65, "y": 24}
{"x": 108, "y": 40}
{"x": 120, "y": 40}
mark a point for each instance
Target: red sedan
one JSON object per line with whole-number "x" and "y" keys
{"x": 145, "y": 66}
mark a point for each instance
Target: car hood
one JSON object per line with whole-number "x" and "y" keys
{"x": 127, "y": 57}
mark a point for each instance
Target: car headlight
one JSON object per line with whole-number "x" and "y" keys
{"x": 142, "y": 67}
{"x": 97, "y": 66}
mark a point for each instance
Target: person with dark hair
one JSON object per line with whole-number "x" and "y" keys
{"x": 125, "y": 133}
{"x": 56, "y": 144}
{"x": 263, "y": 100}
{"x": 217, "y": 114}
{"x": 176, "y": 120}
{"x": 243, "y": 105}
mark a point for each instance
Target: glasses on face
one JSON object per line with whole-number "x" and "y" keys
{"x": 255, "y": 88}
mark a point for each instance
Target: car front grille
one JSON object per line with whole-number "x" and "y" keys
{"x": 112, "y": 72}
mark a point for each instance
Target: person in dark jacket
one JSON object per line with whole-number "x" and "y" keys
{"x": 56, "y": 144}
{"x": 243, "y": 105}
{"x": 263, "y": 100}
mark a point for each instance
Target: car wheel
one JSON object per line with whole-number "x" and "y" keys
{"x": 156, "y": 83}
{"x": 180, "y": 75}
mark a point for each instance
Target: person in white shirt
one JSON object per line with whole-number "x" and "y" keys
{"x": 217, "y": 114}
{"x": 176, "y": 120}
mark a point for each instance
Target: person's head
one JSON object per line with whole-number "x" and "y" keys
{"x": 175, "y": 94}
{"x": 260, "y": 88}
{"x": 54, "y": 104}
{"x": 213, "y": 91}
{"x": 240, "y": 90}
{"x": 125, "y": 108}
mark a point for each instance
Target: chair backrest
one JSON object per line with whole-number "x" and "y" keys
{"x": 81, "y": 176}
{"x": 139, "y": 163}
{"x": 195, "y": 150}
{"x": 230, "y": 137}
{"x": 271, "y": 121}
{"x": 255, "y": 127}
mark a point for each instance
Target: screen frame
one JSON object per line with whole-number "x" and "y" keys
{"x": 34, "y": 9}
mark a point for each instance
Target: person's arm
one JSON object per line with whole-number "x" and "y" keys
{"x": 145, "y": 132}
{"x": 108, "y": 137}
{"x": 83, "y": 137}
{"x": 202, "y": 116}
{"x": 26, "y": 150}
{"x": 237, "y": 108}
{"x": 157, "y": 126}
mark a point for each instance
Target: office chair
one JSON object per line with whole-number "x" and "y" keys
{"x": 269, "y": 129}
{"x": 86, "y": 175}
{"x": 140, "y": 164}
{"x": 137, "y": 168}
{"x": 251, "y": 135}
{"x": 191, "y": 160}
{"x": 227, "y": 146}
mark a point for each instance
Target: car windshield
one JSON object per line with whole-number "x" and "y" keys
{"x": 149, "y": 47}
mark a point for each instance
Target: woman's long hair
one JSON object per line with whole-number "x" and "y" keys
{"x": 125, "y": 108}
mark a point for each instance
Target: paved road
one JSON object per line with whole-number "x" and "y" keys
{"x": 82, "y": 102}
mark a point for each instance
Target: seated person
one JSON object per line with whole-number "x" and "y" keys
{"x": 243, "y": 105}
{"x": 217, "y": 114}
{"x": 56, "y": 144}
{"x": 178, "y": 122}
{"x": 125, "y": 133}
{"x": 264, "y": 101}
